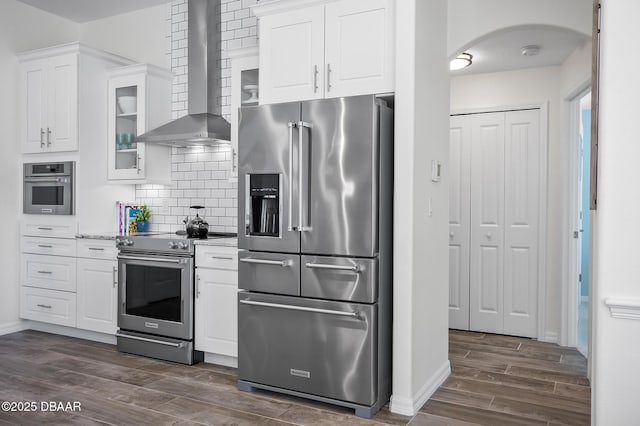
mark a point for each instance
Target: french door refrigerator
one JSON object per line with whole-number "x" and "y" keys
{"x": 315, "y": 232}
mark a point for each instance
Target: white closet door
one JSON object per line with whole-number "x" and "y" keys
{"x": 522, "y": 194}
{"x": 459, "y": 166}
{"x": 487, "y": 223}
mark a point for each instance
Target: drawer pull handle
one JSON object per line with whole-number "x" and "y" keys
{"x": 283, "y": 263}
{"x": 44, "y": 246}
{"x": 96, "y": 248}
{"x": 44, "y": 306}
{"x": 45, "y": 272}
{"x": 222, "y": 257}
{"x": 300, "y": 308}
{"x": 144, "y": 339}
{"x": 355, "y": 269}
{"x": 45, "y": 229}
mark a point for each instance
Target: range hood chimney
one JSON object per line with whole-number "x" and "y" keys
{"x": 204, "y": 124}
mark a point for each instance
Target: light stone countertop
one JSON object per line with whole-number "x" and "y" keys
{"x": 105, "y": 236}
{"x": 224, "y": 242}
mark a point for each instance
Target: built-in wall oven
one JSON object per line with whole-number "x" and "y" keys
{"x": 49, "y": 188}
{"x": 156, "y": 287}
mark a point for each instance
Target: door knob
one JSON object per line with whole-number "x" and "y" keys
{"x": 488, "y": 235}
{"x": 451, "y": 234}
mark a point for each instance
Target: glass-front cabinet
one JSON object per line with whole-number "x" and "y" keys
{"x": 139, "y": 100}
{"x": 244, "y": 90}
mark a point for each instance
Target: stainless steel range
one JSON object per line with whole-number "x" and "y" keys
{"x": 156, "y": 296}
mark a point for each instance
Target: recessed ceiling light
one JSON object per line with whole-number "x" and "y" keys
{"x": 530, "y": 50}
{"x": 463, "y": 60}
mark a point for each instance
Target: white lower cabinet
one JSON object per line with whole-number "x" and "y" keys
{"x": 216, "y": 304}
{"x": 97, "y": 295}
{"x": 51, "y": 306}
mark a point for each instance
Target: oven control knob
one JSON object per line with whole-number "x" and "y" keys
{"x": 173, "y": 244}
{"x": 182, "y": 245}
{"x": 128, "y": 242}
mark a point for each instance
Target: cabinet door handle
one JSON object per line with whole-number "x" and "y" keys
{"x": 197, "y": 286}
{"x": 138, "y": 164}
{"x": 48, "y": 136}
{"x": 41, "y": 137}
{"x": 44, "y": 246}
{"x": 328, "y": 77}
{"x": 43, "y": 306}
{"x": 45, "y": 229}
{"x": 315, "y": 78}
{"x": 115, "y": 277}
{"x": 45, "y": 272}
{"x": 96, "y": 248}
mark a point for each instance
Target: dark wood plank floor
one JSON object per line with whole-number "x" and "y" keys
{"x": 496, "y": 380}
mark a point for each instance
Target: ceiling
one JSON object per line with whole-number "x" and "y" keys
{"x": 502, "y": 51}
{"x": 81, "y": 11}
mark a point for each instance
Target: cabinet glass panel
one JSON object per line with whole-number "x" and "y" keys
{"x": 126, "y": 114}
{"x": 249, "y": 84}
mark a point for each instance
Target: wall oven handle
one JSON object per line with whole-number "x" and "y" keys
{"x": 283, "y": 263}
{"x": 300, "y": 308}
{"x": 150, "y": 259}
{"x": 290, "y": 226}
{"x": 144, "y": 339}
{"x": 355, "y": 269}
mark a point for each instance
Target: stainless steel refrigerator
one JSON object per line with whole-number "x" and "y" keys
{"x": 315, "y": 231}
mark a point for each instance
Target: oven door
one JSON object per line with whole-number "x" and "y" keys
{"x": 156, "y": 294}
{"x": 48, "y": 195}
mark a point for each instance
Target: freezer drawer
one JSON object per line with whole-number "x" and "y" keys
{"x": 322, "y": 348}
{"x": 339, "y": 278}
{"x": 269, "y": 272}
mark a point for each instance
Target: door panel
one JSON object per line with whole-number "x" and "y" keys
{"x": 264, "y": 148}
{"x": 33, "y": 105}
{"x": 63, "y": 103}
{"x": 459, "y": 211}
{"x": 343, "y": 172}
{"x": 339, "y": 278}
{"x": 522, "y": 197}
{"x": 328, "y": 352}
{"x": 487, "y": 223}
{"x": 269, "y": 272}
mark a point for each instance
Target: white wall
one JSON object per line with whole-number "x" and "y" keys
{"x": 617, "y": 341}
{"x": 421, "y": 274}
{"x": 138, "y": 35}
{"x": 470, "y": 20}
{"x": 22, "y": 28}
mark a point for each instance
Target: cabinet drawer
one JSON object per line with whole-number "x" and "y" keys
{"x": 55, "y": 307}
{"x": 217, "y": 257}
{"x": 97, "y": 249}
{"x": 52, "y": 272}
{"x": 54, "y": 227}
{"x": 54, "y": 246}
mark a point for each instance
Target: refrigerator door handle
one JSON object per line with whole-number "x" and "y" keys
{"x": 283, "y": 263}
{"x": 301, "y": 225}
{"x": 301, "y": 308}
{"x": 355, "y": 269}
{"x": 290, "y": 226}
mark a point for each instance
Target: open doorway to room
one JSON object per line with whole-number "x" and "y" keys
{"x": 515, "y": 68}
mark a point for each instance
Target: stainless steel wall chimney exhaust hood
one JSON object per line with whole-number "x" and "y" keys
{"x": 204, "y": 125}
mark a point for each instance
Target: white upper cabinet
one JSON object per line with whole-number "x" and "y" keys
{"x": 139, "y": 100}
{"x": 49, "y": 103}
{"x": 311, "y": 50}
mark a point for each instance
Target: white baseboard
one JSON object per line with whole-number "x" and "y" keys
{"x": 551, "y": 337}
{"x": 410, "y": 406}
{"x": 71, "y": 332}
{"x": 227, "y": 361}
{"x": 12, "y": 327}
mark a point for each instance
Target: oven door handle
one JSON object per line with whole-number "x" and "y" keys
{"x": 300, "y": 308}
{"x": 144, "y": 339}
{"x": 151, "y": 259}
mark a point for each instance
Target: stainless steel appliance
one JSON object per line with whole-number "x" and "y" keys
{"x": 49, "y": 188}
{"x": 315, "y": 229}
{"x": 156, "y": 296}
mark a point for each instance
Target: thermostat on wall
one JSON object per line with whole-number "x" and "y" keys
{"x": 436, "y": 170}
